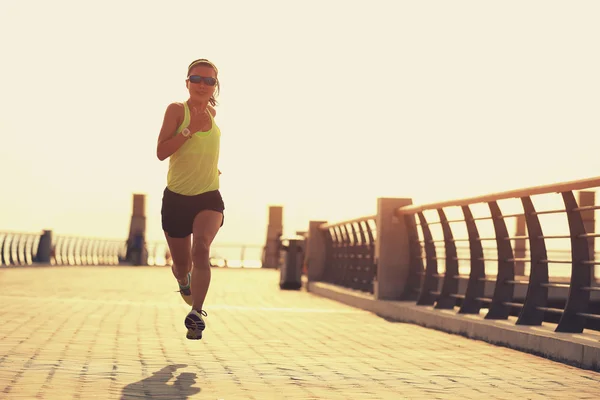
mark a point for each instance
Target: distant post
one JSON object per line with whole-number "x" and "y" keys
{"x": 137, "y": 253}
{"x": 315, "y": 251}
{"x": 274, "y": 233}
{"x": 44, "y": 250}
{"x": 392, "y": 250}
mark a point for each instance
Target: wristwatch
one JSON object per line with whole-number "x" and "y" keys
{"x": 186, "y": 133}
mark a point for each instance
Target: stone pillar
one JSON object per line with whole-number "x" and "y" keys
{"x": 586, "y": 199}
{"x": 44, "y": 250}
{"x": 520, "y": 249}
{"x": 315, "y": 251}
{"x": 274, "y": 233}
{"x": 392, "y": 250}
{"x": 137, "y": 253}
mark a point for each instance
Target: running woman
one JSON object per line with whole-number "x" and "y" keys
{"x": 192, "y": 207}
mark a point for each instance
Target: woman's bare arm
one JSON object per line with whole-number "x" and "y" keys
{"x": 167, "y": 143}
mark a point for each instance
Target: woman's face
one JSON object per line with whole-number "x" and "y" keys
{"x": 202, "y": 82}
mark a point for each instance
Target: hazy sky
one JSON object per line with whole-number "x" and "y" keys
{"x": 324, "y": 105}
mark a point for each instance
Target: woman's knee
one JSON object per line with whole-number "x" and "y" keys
{"x": 200, "y": 251}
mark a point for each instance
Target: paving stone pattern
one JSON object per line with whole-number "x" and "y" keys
{"x": 118, "y": 333}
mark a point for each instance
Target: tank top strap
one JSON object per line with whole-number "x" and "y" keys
{"x": 186, "y": 117}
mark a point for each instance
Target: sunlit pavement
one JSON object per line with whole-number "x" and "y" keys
{"x": 118, "y": 333}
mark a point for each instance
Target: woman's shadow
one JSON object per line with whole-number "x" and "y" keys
{"x": 155, "y": 386}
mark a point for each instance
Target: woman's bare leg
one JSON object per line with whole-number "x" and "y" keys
{"x": 206, "y": 226}
{"x": 180, "y": 249}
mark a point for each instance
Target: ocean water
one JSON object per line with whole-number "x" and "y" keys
{"x": 559, "y": 269}
{"x": 222, "y": 255}
{"x": 553, "y": 221}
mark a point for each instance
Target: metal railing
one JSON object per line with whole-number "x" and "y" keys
{"x": 350, "y": 249}
{"x": 158, "y": 254}
{"x": 569, "y": 305}
{"x": 21, "y": 248}
{"x": 77, "y": 250}
{"x": 18, "y": 248}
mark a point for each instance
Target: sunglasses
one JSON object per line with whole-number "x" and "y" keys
{"x": 206, "y": 79}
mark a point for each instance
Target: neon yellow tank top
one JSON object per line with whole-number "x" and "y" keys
{"x": 193, "y": 168}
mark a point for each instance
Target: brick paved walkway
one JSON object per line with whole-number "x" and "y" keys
{"x": 117, "y": 333}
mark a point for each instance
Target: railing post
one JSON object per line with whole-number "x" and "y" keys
{"x": 316, "y": 251}
{"x": 273, "y": 242}
{"x": 44, "y": 247}
{"x": 392, "y": 251}
{"x": 137, "y": 253}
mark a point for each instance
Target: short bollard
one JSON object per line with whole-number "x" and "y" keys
{"x": 291, "y": 270}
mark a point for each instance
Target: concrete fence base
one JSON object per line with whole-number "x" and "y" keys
{"x": 581, "y": 350}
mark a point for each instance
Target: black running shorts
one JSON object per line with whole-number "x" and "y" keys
{"x": 178, "y": 211}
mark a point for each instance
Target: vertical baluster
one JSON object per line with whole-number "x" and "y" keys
{"x": 588, "y": 199}
{"x": 537, "y": 295}
{"x": 95, "y": 255}
{"x": 66, "y": 250}
{"x": 363, "y": 253}
{"x": 416, "y": 271}
{"x": 77, "y": 251}
{"x": 371, "y": 227}
{"x": 14, "y": 249}
{"x": 110, "y": 252}
{"x": 14, "y": 259}
{"x": 70, "y": 251}
{"x": 3, "y": 260}
{"x": 347, "y": 272}
{"x": 100, "y": 252}
{"x": 61, "y": 251}
{"x": 84, "y": 251}
{"x": 354, "y": 257}
{"x": 56, "y": 251}
{"x": 475, "y": 286}
{"x": 581, "y": 271}
{"x": 328, "y": 273}
{"x": 330, "y": 242}
{"x": 114, "y": 253}
{"x": 503, "y": 292}
{"x": 348, "y": 280}
{"x": 430, "y": 283}
{"x": 450, "y": 283}
{"x": 21, "y": 249}
{"x": 27, "y": 249}
{"x": 6, "y": 249}
{"x": 359, "y": 284}
{"x": 32, "y": 248}
{"x": 17, "y": 249}
{"x": 366, "y": 274}
{"x": 341, "y": 253}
